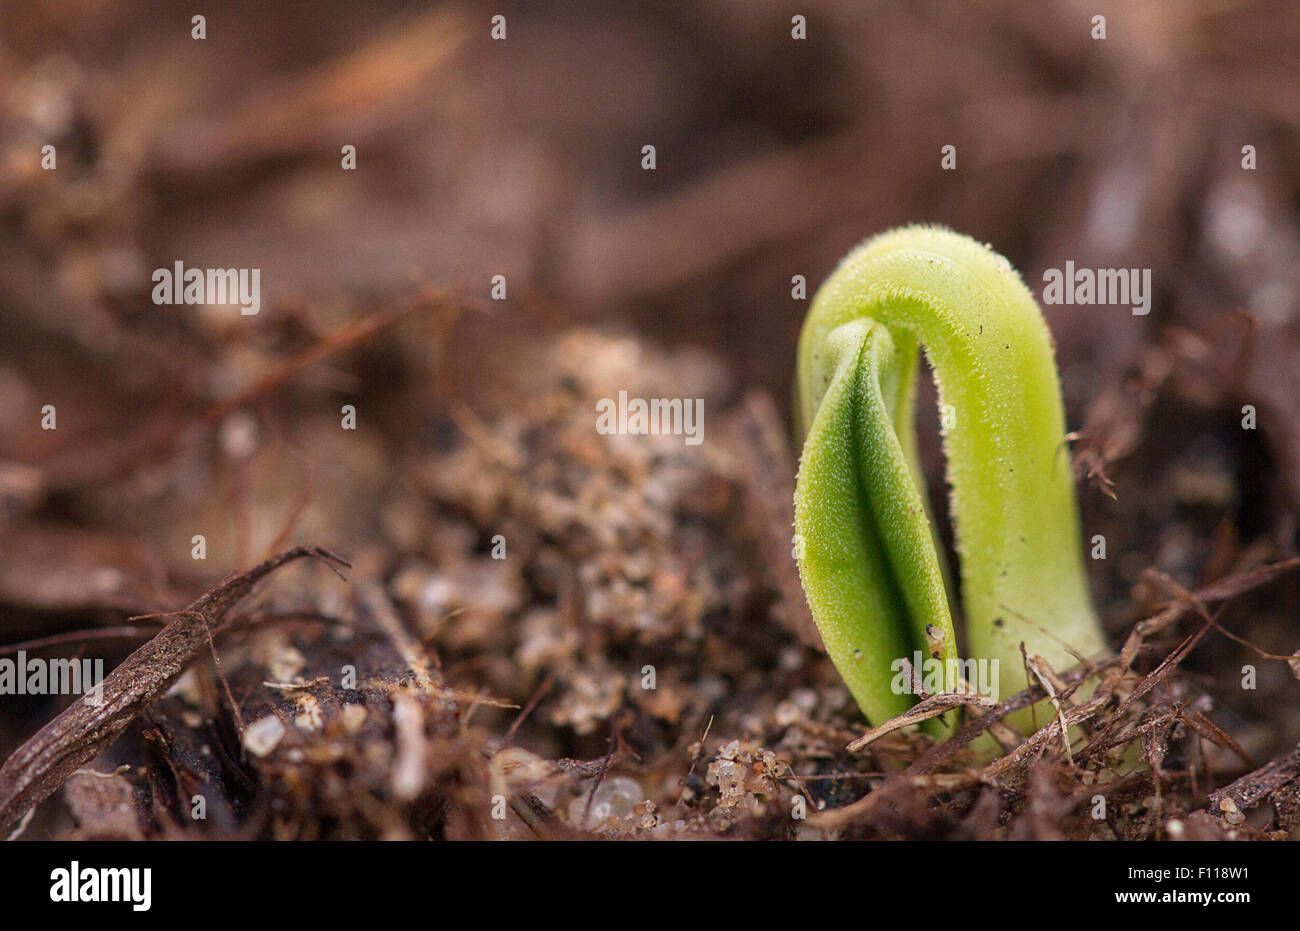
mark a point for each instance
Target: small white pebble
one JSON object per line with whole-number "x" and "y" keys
{"x": 1231, "y": 813}
{"x": 263, "y": 735}
{"x": 310, "y": 717}
{"x": 353, "y": 718}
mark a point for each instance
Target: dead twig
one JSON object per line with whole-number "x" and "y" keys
{"x": 895, "y": 788}
{"x": 1250, "y": 789}
{"x": 931, "y": 707}
{"x": 91, "y": 723}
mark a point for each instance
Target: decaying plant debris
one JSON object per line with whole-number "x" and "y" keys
{"x": 479, "y": 679}
{"x": 95, "y": 720}
{"x": 436, "y": 681}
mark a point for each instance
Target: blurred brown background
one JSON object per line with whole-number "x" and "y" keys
{"x": 774, "y": 156}
{"x": 522, "y": 158}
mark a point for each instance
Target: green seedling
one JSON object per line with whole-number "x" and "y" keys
{"x": 867, "y": 556}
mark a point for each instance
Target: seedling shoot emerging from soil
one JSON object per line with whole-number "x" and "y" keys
{"x": 867, "y": 557}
